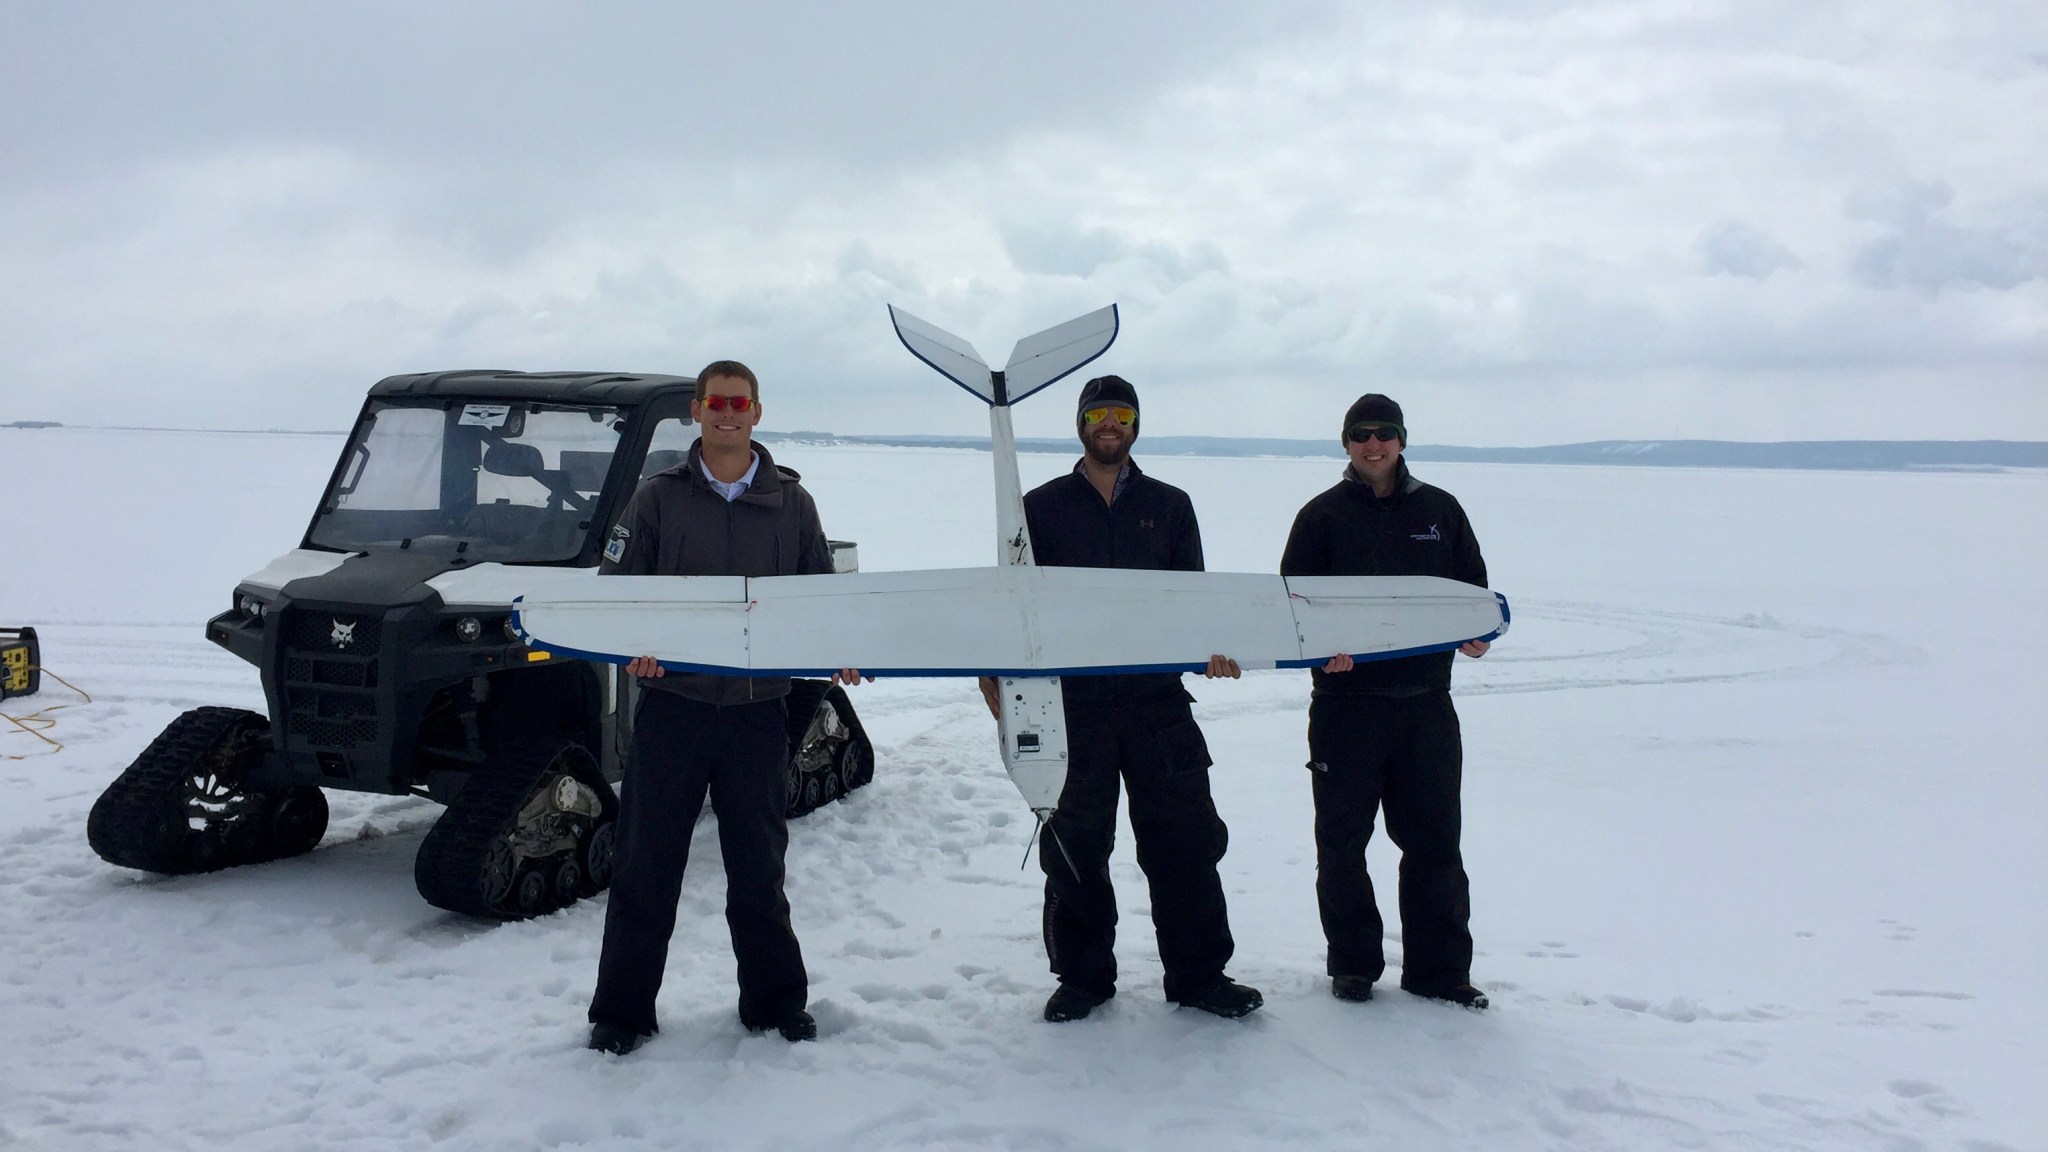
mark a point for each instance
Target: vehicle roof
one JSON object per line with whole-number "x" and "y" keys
{"x": 623, "y": 388}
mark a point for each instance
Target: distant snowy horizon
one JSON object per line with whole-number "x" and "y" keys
{"x": 1819, "y": 455}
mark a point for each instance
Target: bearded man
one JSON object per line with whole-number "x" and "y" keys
{"x": 1134, "y": 728}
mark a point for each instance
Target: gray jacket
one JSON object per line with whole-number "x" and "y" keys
{"x": 678, "y": 525}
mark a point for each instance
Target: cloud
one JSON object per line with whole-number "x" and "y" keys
{"x": 1923, "y": 249}
{"x": 1062, "y": 250}
{"x": 1732, "y": 248}
{"x": 1541, "y": 219}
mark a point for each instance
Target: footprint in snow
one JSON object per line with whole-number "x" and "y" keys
{"x": 1931, "y": 1097}
{"x": 28, "y": 837}
{"x": 896, "y": 993}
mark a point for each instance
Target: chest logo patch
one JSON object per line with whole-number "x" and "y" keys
{"x": 1432, "y": 534}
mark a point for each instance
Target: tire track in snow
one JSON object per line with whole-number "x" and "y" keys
{"x": 1562, "y": 646}
{"x": 1666, "y": 647}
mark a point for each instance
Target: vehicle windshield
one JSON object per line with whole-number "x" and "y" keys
{"x": 511, "y": 482}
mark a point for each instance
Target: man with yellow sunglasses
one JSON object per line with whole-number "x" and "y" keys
{"x": 1136, "y": 728}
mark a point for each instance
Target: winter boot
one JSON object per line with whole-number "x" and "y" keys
{"x": 795, "y": 1025}
{"x": 1354, "y": 988}
{"x": 616, "y": 1039}
{"x": 1463, "y": 995}
{"x": 1227, "y": 999}
{"x": 1072, "y": 1002}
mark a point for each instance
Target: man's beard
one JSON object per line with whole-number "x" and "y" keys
{"x": 1105, "y": 457}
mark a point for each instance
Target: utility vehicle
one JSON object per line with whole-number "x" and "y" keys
{"x": 389, "y": 663}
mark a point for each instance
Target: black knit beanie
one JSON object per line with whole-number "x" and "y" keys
{"x": 1373, "y": 408}
{"x": 1105, "y": 390}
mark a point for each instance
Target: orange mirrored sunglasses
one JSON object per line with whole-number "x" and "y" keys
{"x": 721, "y": 403}
{"x": 1123, "y": 414}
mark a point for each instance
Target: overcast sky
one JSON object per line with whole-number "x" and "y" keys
{"x": 1529, "y": 222}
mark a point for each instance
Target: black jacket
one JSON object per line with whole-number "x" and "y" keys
{"x": 678, "y": 525}
{"x": 1420, "y": 530}
{"x": 1151, "y": 525}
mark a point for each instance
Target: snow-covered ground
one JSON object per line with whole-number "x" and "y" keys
{"x": 1755, "y": 811}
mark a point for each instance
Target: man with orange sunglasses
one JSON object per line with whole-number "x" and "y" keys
{"x": 1134, "y": 728}
{"x": 727, "y": 510}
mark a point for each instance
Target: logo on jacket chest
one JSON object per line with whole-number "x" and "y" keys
{"x": 1432, "y": 534}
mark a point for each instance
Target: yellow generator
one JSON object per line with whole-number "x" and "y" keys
{"x": 21, "y": 664}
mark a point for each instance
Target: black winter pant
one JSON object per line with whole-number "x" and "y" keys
{"x": 1158, "y": 752}
{"x": 680, "y": 748}
{"x": 1403, "y": 754}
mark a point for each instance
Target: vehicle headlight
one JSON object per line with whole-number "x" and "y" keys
{"x": 252, "y": 608}
{"x": 512, "y": 631}
{"x": 468, "y": 629}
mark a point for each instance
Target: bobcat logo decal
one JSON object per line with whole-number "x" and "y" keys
{"x": 343, "y": 635}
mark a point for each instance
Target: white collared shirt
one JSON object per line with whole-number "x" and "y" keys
{"x": 732, "y": 491}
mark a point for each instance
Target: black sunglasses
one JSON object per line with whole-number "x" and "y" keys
{"x": 1384, "y": 433}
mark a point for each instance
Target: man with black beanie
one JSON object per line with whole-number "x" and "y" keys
{"x": 1384, "y": 733}
{"x": 1137, "y": 728}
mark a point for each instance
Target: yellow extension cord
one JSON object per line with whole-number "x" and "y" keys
{"x": 40, "y": 721}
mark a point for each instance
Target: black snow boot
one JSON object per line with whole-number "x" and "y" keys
{"x": 616, "y": 1039}
{"x": 795, "y": 1025}
{"x": 1354, "y": 988}
{"x": 1072, "y": 1002}
{"x": 1227, "y": 999}
{"x": 1463, "y": 995}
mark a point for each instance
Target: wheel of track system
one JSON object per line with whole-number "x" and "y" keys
{"x": 532, "y": 893}
{"x": 568, "y": 882}
{"x": 534, "y": 804}
{"x": 501, "y": 869}
{"x": 252, "y": 839}
{"x": 856, "y": 765}
{"x": 298, "y": 819}
{"x": 793, "y": 799}
{"x": 600, "y": 857}
{"x": 205, "y": 850}
{"x": 828, "y": 785}
{"x": 181, "y": 807}
{"x": 812, "y": 792}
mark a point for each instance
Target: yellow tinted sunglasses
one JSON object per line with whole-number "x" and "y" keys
{"x": 1123, "y": 414}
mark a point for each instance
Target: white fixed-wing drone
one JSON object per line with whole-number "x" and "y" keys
{"x": 1026, "y": 625}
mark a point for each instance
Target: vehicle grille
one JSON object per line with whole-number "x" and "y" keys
{"x": 313, "y": 632}
{"x": 330, "y": 676}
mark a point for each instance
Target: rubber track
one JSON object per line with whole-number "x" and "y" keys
{"x": 449, "y": 868}
{"x": 804, "y": 698}
{"x": 139, "y": 821}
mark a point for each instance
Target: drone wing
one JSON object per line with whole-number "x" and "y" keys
{"x": 1040, "y": 359}
{"x": 1014, "y": 621}
{"x": 952, "y": 357}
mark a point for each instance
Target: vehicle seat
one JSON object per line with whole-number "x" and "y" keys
{"x": 662, "y": 460}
